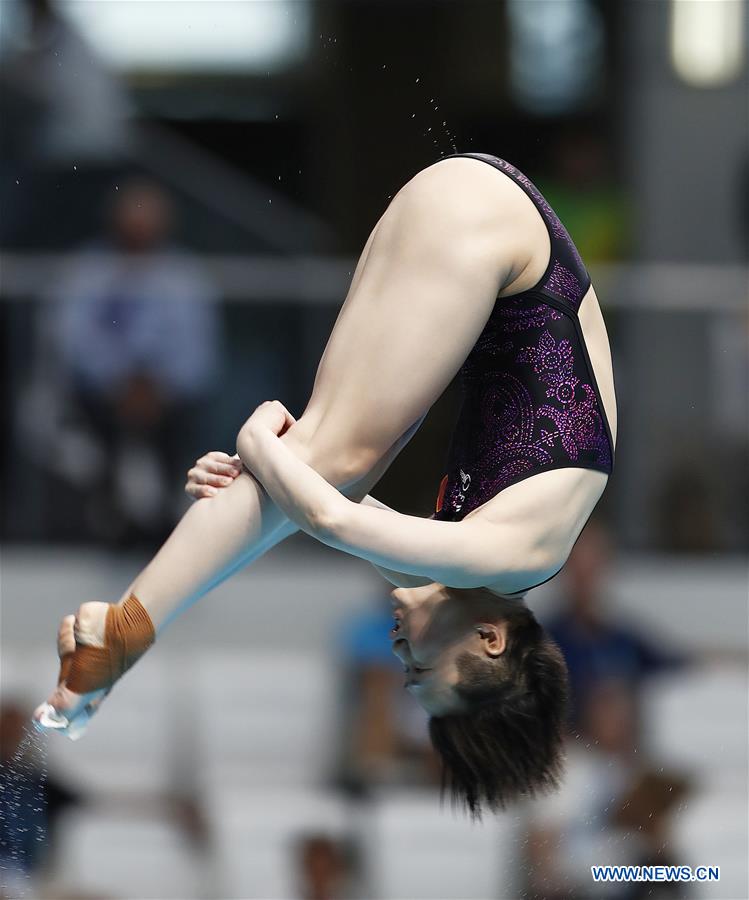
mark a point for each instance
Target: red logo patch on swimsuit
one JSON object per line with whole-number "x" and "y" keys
{"x": 441, "y": 494}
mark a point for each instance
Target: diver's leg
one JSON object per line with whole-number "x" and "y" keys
{"x": 219, "y": 535}
{"x": 422, "y": 293}
{"x": 434, "y": 266}
{"x": 215, "y": 538}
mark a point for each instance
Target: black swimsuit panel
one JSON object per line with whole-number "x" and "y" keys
{"x": 530, "y": 399}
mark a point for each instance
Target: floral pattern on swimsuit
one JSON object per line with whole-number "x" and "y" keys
{"x": 530, "y": 400}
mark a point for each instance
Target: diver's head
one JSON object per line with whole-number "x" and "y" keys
{"x": 494, "y": 685}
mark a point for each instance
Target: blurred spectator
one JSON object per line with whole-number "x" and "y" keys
{"x": 613, "y": 806}
{"x": 31, "y": 800}
{"x": 385, "y": 734}
{"x": 326, "y": 867}
{"x": 595, "y": 643}
{"x": 645, "y": 809}
{"x": 133, "y": 328}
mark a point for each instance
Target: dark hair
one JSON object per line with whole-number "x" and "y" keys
{"x": 508, "y": 742}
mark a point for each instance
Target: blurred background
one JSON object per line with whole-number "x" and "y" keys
{"x": 184, "y": 191}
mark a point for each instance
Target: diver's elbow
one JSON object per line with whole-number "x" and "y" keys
{"x": 326, "y": 521}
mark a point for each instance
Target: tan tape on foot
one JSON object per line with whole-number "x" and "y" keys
{"x": 65, "y": 662}
{"x": 128, "y": 633}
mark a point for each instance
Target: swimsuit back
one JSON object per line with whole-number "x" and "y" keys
{"x": 530, "y": 399}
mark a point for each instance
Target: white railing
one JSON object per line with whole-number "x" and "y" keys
{"x": 318, "y": 279}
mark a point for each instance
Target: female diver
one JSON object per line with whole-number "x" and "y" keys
{"x": 468, "y": 270}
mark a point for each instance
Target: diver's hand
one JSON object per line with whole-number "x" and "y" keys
{"x": 211, "y": 473}
{"x": 64, "y": 710}
{"x": 269, "y": 416}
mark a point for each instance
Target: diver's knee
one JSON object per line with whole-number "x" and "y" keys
{"x": 340, "y": 457}
{"x": 352, "y": 464}
{"x": 339, "y": 462}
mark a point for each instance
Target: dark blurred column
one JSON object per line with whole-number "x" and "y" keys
{"x": 377, "y": 115}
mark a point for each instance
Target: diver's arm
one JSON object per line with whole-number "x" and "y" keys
{"x": 399, "y": 579}
{"x": 215, "y": 470}
{"x": 471, "y": 553}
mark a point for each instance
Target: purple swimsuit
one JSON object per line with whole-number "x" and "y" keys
{"x": 530, "y": 399}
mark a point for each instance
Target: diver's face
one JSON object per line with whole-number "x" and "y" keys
{"x": 432, "y": 627}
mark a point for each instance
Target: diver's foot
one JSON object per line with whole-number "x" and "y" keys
{"x": 64, "y": 710}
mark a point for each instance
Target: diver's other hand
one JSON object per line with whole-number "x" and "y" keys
{"x": 211, "y": 473}
{"x": 269, "y": 416}
{"x": 64, "y": 710}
